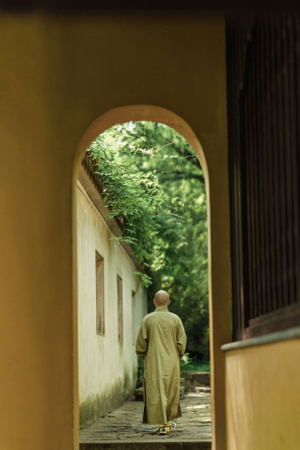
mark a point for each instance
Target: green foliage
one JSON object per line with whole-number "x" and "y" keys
{"x": 185, "y": 362}
{"x": 154, "y": 183}
{"x": 146, "y": 280}
{"x": 197, "y": 366}
{"x": 140, "y": 372}
{"x": 129, "y": 193}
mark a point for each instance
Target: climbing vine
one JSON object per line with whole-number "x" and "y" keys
{"x": 154, "y": 185}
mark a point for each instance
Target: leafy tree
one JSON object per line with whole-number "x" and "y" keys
{"x": 155, "y": 185}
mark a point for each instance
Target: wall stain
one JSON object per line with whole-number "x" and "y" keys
{"x": 98, "y": 405}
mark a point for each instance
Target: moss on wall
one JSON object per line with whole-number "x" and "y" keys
{"x": 127, "y": 384}
{"x": 129, "y": 381}
{"x": 95, "y": 406}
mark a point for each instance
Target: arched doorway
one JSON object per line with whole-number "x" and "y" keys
{"x": 133, "y": 113}
{"x": 162, "y": 115}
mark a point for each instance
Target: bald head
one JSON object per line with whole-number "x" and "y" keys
{"x": 161, "y": 298}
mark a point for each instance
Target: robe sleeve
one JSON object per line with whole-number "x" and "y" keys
{"x": 142, "y": 340}
{"x": 181, "y": 339}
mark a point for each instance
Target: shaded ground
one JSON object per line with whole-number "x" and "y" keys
{"x": 124, "y": 424}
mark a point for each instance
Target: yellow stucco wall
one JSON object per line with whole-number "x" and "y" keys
{"x": 58, "y": 74}
{"x": 263, "y": 397}
{"x": 107, "y": 368}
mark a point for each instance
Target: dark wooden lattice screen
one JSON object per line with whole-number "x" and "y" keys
{"x": 263, "y": 82}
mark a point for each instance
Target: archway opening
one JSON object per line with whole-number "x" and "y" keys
{"x": 136, "y": 113}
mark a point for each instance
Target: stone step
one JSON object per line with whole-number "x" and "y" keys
{"x": 139, "y": 394}
{"x": 163, "y": 445}
{"x": 182, "y": 392}
{"x": 193, "y": 379}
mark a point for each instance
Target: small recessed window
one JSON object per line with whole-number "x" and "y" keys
{"x": 100, "y": 310}
{"x": 120, "y": 308}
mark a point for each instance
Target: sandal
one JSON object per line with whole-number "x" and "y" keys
{"x": 162, "y": 430}
{"x": 170, "y": 427}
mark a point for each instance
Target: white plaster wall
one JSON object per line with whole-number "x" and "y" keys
{"x": 103, "y": 361}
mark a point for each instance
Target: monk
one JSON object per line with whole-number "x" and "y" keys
{"x": 161, "y": 343}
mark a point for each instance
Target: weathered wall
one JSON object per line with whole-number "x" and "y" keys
{"x": 58, "y": 74}
{"x": 263, "y": 397}
{"x": 107, "y": 368}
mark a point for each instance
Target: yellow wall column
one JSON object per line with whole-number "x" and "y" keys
{"x": 263, "y": 396}
{"x": 58, "y": 75}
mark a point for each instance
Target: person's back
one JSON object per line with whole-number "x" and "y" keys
{"x": 163, "y": 328}
{"x": 161, "y": 342}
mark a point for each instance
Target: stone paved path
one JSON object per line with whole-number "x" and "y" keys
{"x": 124, "y": 424}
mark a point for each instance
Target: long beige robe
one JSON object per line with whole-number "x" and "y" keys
{"x": 161, "y": 343}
